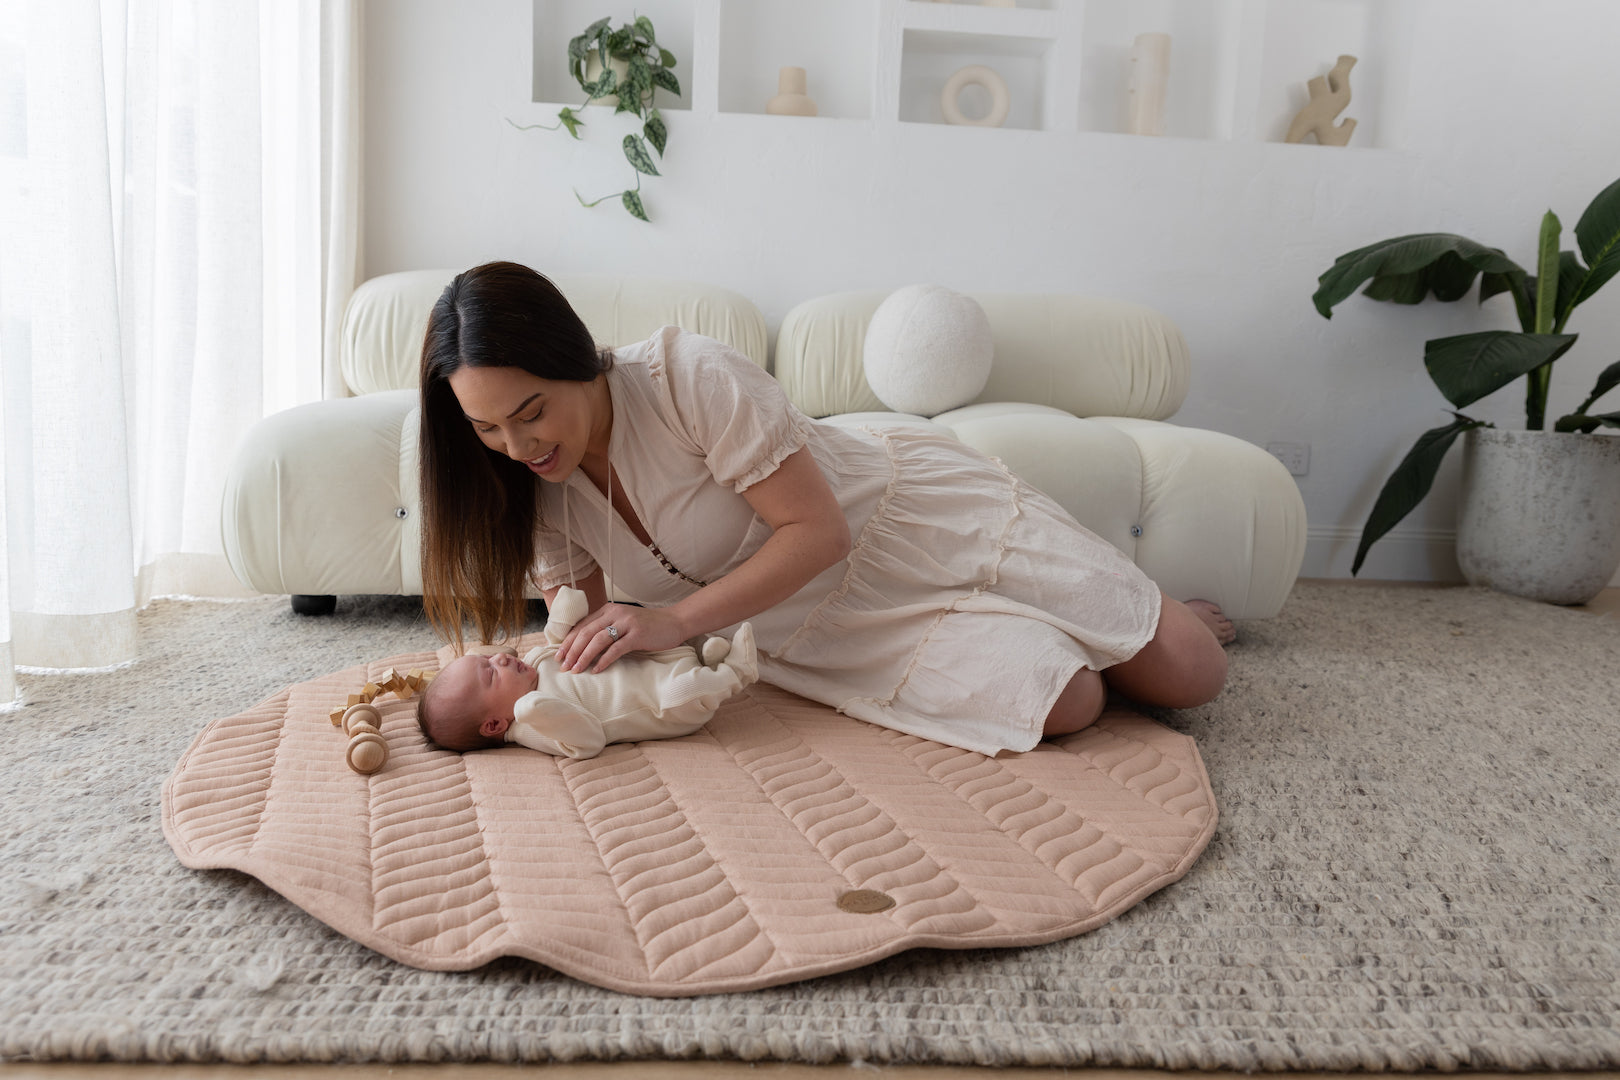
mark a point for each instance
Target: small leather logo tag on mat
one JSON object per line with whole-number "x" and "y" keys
{"x": 865, "y": 901}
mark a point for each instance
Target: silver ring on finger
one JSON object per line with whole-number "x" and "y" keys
{"x": 613, "y": 632}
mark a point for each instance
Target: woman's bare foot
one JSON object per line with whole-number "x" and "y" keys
{"x": 1215, "y": 619}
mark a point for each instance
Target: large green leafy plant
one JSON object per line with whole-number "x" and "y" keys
{"x": 1467, "y": 367}
{"x": 646, "y": 66}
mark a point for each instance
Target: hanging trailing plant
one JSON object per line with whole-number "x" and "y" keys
{"x": 630, "y": 64}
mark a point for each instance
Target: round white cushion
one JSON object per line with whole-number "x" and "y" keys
{"x": 928, "y": 350}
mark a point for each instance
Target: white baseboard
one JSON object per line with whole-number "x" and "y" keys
{"x": 1400, "y": 555}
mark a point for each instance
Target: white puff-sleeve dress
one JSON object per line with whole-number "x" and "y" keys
{"x": 968, "y": 599}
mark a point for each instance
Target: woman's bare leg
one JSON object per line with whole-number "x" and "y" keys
{"x": 1183, "y": 666}
{"x": 1079, "y": 705}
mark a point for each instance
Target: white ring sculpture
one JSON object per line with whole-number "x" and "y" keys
{"x": 976, "y": 75}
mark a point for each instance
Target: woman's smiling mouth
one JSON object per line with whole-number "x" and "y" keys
{"x": 544, "y": 464}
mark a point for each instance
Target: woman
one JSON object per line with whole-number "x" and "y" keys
{"x": 901, "y": 578}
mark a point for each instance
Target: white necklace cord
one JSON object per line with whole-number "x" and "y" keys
{"x": 568, "y": 540}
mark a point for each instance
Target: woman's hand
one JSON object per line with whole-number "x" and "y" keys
{"x": 590, "y": 645}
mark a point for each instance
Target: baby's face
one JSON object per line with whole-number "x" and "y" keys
{"x": 487, "y": 688}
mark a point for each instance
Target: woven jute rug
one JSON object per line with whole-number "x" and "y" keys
{"x": 1416, "y": 867}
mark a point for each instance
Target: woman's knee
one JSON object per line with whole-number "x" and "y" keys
{"x": 1079, "y": 705}
{"x": 1181, "y": 667}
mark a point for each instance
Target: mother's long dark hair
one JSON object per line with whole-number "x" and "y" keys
{"x": 479, "y": 507}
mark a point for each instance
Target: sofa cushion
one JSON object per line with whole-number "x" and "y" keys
{"x": 1084, "y": 355}
{"x": 386, "y": 317}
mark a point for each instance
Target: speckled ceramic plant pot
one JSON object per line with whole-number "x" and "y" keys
{"x": 1540, "y": 513}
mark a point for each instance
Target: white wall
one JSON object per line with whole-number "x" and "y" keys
{"x": 1501, "y": 111}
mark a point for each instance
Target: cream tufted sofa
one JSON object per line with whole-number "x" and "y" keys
{"x": 321, "y": 500}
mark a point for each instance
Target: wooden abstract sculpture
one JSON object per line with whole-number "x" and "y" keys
{"x": 1329, "y": 96}
{"x": 362, "y": 721}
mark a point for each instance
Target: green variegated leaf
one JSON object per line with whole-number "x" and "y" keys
{"x": 638, "y": 76}
{"x": 1409, "y": 483}
{"x": 571, "y": 121}
{"x": 632, "y": 203}
{"x": 645, "y": 25}
{"x": 666, "y": 78}
{"x": 578, "y": 49}
{"x": 1598, "y": 233}
{"x": 1469, "y": 366}
{"x": 605, "y": 84}
{"x": 655, "y": 131}
{"x": 636, "y": 152}
{"x": 666, "y": 58}
{"x": 1408, "y": 268}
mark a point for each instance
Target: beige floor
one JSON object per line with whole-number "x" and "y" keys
{"x": 1607, "y": 605}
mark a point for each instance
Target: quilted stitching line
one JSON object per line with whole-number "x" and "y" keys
{"x": 602, "y": 796}
{"x": 799, "y": 789}
{"x": 987, "y": 788}
{"x": 476, "y": 901}
{"x": 270, "y": 773}
{"x": 201, "y": 825}
{"x": 1102, "y": 728}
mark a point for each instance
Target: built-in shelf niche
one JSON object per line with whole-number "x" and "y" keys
{"x": 556, "y": 22}
{"x": 928, "y": 59}
{"x": 1205, "y": 49}
{"x": 830, "y": 39}
{"x": 1303, "y": 38}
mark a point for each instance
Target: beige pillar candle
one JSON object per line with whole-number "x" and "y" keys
{"x": 1150, "y": 74}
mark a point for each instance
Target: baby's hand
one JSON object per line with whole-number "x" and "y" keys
{"x": 715, "y": 650}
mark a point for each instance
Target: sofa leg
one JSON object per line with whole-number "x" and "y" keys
{"x": 313, "y": 605}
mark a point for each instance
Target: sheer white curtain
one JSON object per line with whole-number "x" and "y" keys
{"x": 178, "y": 225}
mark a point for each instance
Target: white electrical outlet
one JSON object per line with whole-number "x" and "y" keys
{"x": 1296, "y": 456}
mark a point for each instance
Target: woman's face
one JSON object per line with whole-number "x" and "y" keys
{"x": 549, "y": 425}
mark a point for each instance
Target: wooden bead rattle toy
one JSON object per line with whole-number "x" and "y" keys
{"x": 362, "y": 721}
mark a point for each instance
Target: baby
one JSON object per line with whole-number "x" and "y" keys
{"x": 483, "y": 701}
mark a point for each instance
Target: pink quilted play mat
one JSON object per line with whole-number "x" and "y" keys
{"x": 782, "y": 841}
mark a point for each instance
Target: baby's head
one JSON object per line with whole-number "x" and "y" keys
{"x": 472, "y": 701}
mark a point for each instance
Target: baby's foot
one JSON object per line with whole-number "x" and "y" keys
{"x": 715, "y": 649}
{"x": 1215, "y": 619}
{"x": 744, "y": 659}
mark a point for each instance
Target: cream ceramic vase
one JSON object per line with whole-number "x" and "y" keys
{"x": 1539, "y": 514}
{"x": 791, "y": 98}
